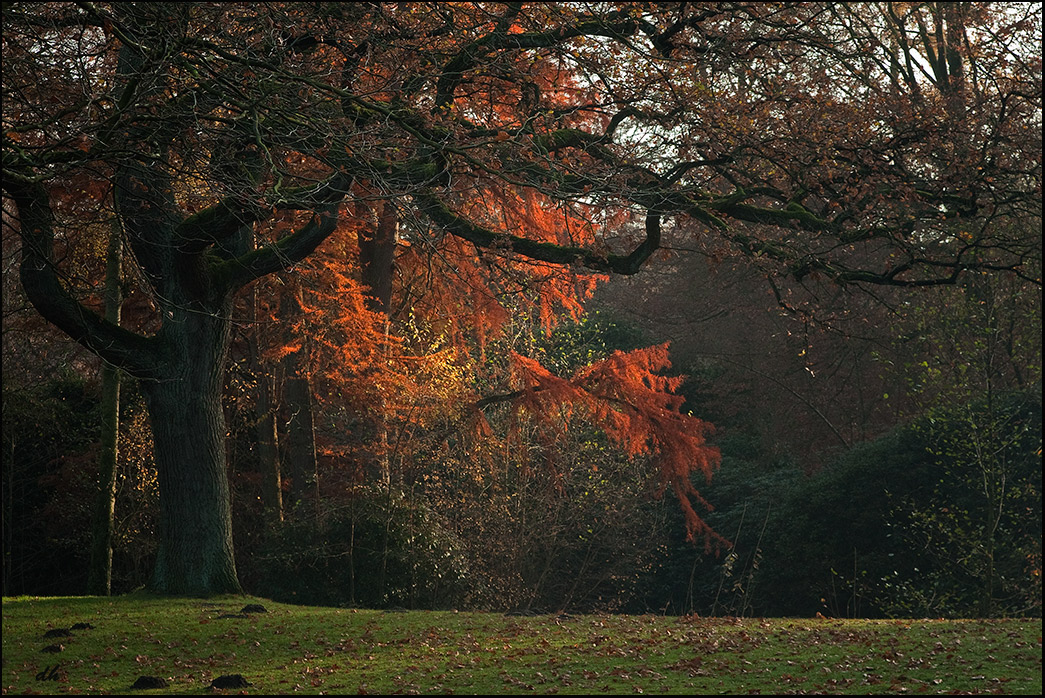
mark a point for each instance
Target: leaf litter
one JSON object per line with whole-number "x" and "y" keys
{"x": 327, "y": 650}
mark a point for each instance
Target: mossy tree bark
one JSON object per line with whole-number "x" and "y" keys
{"x": 195, "y": 554}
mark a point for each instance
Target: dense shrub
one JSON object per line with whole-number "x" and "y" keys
{"x": 898, "y": 526}
{"x": 50, "y": 441}
{"x": 902, "y": 526}
{"x": 47, "y": 429}
{"x": 373, "y": 549}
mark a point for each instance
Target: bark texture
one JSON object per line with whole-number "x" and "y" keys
{"x": 195, "y": 554}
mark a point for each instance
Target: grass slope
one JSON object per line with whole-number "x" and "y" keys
{"x": 300, "y": 649}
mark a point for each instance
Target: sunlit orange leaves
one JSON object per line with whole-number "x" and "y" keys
{"x": 625, "y": 395}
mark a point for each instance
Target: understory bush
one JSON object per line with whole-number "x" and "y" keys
{"x": 941, "y": 517}
{"x": 375, "y": 549}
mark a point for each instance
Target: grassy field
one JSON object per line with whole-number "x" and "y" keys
{"x": 299, "y": 649}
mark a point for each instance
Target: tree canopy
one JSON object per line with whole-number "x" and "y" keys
{"x": 869, "y": 144}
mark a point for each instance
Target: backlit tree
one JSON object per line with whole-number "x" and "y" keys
{"x": 859, "y": 144}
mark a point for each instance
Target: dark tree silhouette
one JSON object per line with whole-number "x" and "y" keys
{"x": 871, "y": 144}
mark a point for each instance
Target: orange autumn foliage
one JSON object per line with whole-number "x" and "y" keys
{"x": 462, "y": 300}
{"x": 625, "y": 395}
{"x": 837, "y": 142}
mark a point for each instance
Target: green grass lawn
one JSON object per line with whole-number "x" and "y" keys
{"x": 301, "y": 649}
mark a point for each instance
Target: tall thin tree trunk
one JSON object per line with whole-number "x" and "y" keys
{"x": 268, "y": 448}
{"x": 99, "y": 578}
{"x": 299, "y": 452}
{"x": 266, "y": 429}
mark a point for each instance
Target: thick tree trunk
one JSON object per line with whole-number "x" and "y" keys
{"x": 195, "y": 553}
{"x": 377, "y": 258}
{"x": 377, "y": 262}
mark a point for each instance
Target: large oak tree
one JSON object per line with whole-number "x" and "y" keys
{"x": 876, "y": 143}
